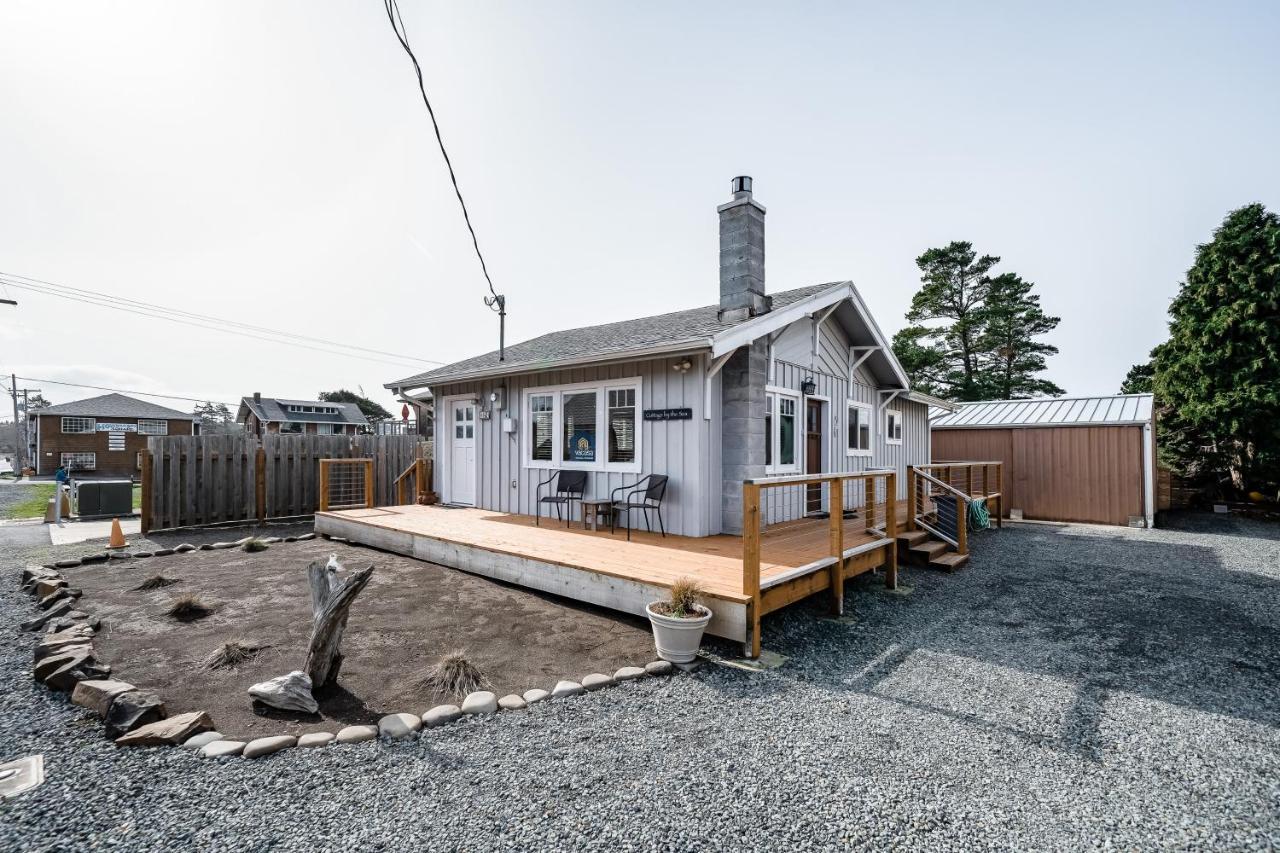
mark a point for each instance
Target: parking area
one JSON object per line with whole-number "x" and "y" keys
{"x": 1073, "y": 687}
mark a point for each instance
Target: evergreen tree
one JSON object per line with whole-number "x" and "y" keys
{"x": 971, "y": 336}
{"x": 1009, "y": 353}
{"x": 1140, "y": 379}
{"x": 369, "y": 408}
{"x": 1219, "y": 372}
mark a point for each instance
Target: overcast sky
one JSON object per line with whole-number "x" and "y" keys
{"x": 272, "y": 163}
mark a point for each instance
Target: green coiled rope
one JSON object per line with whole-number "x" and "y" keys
{"x": 979, "y": 518}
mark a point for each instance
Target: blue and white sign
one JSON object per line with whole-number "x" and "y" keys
{"x": 117, "y": 427}
{"x": 582, "y": 447}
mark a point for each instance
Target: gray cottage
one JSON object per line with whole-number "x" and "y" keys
{"x": 797, "y": 382}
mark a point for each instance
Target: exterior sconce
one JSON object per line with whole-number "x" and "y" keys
{"x": 808, "y": 386}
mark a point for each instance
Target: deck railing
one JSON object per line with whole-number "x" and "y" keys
{"x": 865, "y": 502}
{"x": 939, "y": 495}
{"x": 420, "y": 474}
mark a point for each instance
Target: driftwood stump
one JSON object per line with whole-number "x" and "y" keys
{"x": 331, "y": 598}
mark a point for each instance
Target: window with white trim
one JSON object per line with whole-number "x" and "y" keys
{"x": 75, "y": 425}
{"x": 590, "y": 425}
{"x": 781, "y": 430}
{"x": 858, "y": 427}
{"x": 150, "y": 426}
{"x": 893, "y": 426}
{"x": 290, "y": 427}
{"x": 324, "y": 429}
{"x": 79, "y": 461}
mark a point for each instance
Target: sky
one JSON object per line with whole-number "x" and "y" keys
{"x": 272, "y": 163}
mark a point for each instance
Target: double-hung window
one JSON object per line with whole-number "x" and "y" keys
{"x": 781, "y": 431}
{"x": 74, "y": 425}
{"x": 893, "y": 426}
{"x": 858, "y": 440}
{"x": 593, "y": 426}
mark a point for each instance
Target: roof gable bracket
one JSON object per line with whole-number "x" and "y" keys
{"x": 712, "y": 369}
{"x": 818, "y": 319}
{"x": 855, "y": 363}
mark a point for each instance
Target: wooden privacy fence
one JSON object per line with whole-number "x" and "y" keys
{"x": 188, "y": 481}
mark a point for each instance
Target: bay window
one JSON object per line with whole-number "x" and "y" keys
{"x": 859, "y": 430}
{"x": 591, "y": 425}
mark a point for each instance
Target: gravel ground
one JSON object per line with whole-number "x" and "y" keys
{"x": 1074, "y": 687}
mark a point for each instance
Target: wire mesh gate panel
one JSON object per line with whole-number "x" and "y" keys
{"x": 346, "y": 484}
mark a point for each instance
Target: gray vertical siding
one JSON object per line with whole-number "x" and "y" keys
{"x": 689, "y": 452}
{"x": 679, "y": 449}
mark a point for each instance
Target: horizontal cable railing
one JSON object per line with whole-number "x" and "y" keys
{"x": 940, "y": 496}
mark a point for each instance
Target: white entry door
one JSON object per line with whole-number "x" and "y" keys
{"x": 462, "y": 452}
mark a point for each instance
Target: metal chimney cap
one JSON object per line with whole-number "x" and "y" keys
{"x": 741, "y": 185}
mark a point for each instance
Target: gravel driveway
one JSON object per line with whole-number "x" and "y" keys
{"x": 1074, "y": 687}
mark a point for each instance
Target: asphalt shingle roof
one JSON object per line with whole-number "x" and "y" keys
{"x": 693, "y": 325}
{"x": 273, "y": 410}
{"x": 115, "y": 406}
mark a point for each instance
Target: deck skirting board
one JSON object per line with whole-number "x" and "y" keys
{"x": 580, "y": 584}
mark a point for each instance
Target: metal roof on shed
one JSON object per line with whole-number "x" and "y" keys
{"x": 1120, "y": 409}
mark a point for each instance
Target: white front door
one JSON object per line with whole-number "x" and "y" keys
{"x": 462, "y": 452}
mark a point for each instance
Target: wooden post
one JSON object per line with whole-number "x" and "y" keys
{"x": 147, "y": 491}
{"x": 751, "y": 564}
{"x": 420, "y": 484}
{"x": 260, "y": 484}
{"x": 835, "y": 501}
{"x": 1000, "y": 492}
{"x": 324, "y": 485}
{"x": 968, "y": 480}
{"x": 911, "y": 498}
{"x": 869, "y": 501}
{"x": 891, "y": 529}
{"x": 962, "y": 525}
{"x": 369, "y": 496}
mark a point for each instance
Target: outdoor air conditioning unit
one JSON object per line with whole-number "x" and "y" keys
{"x": 104, "y": 497}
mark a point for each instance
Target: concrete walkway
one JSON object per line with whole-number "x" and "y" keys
{"x": 82, "y": 531}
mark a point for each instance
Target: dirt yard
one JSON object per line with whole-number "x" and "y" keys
{"x": 409, "y": 615}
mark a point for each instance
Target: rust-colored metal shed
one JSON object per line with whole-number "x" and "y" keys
{"x": 1086, "y": 459}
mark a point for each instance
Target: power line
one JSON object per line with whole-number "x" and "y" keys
{"x": 493, "y": 301}
{"x": 126, "y": 391}
{"x": 201, "y": 321}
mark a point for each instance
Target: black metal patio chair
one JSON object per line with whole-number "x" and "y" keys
{"x": 644, "y": 495}
{"x": 568, "y": 487}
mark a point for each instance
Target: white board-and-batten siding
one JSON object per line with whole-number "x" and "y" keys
{"x": 679, "y": 449}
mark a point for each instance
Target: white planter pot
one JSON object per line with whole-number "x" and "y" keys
{"x": 677, "y": 640}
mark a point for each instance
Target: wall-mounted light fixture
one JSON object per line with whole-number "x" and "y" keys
{"x": 682, "y": 366}
{"x": 808, "y": 386}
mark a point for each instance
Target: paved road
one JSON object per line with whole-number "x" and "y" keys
{"x": 1075, "y": 687}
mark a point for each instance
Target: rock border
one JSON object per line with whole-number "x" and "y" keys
{"x": 64, "y": 661}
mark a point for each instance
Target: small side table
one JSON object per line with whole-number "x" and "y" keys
{"x": 594, "y": 512}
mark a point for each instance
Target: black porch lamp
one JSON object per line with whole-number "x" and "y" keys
{"x": 808, "y": 386}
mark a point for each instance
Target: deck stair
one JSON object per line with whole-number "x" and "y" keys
{"x": 923, "y": 549}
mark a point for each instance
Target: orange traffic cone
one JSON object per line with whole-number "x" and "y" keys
{"x": 117, "y": 535}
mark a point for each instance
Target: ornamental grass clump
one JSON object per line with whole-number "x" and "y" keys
{"x": 255, "y": 545}
{"x": 189, "y": 608}
{"x": 231, "y": 654}
{"x": 155, "y": 582}
{"x": 683, "y": 600}
{"x": 454, "y": 675}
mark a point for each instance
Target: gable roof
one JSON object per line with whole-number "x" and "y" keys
{"x": 114, "y": 406}
{"x": 1116, "y": 410}
{"x": 694, "y": 328}
{"x": 273, "y": 410}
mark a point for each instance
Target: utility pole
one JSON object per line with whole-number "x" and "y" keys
{"x": 18, "y": 438}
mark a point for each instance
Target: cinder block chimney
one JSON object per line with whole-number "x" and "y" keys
{"x": 742, "y": 254}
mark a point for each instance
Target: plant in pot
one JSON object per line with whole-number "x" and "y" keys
{"x": 679, "y": 621}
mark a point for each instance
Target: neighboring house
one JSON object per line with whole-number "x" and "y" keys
{"x": 264, "y": 414}
{"x": 101, "y": 436}
{"x": 801, "y": 381}
{"x": 1088, "y": 459}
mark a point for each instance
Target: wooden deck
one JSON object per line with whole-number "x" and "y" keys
{"x": 605, "y": 569}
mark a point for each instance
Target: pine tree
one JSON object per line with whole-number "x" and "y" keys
{"x": 1140, "y": 379}
{"x": 1219, "y": 372}
{"x": 971, "y": 336}
{"x": 1010, "y": 356}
